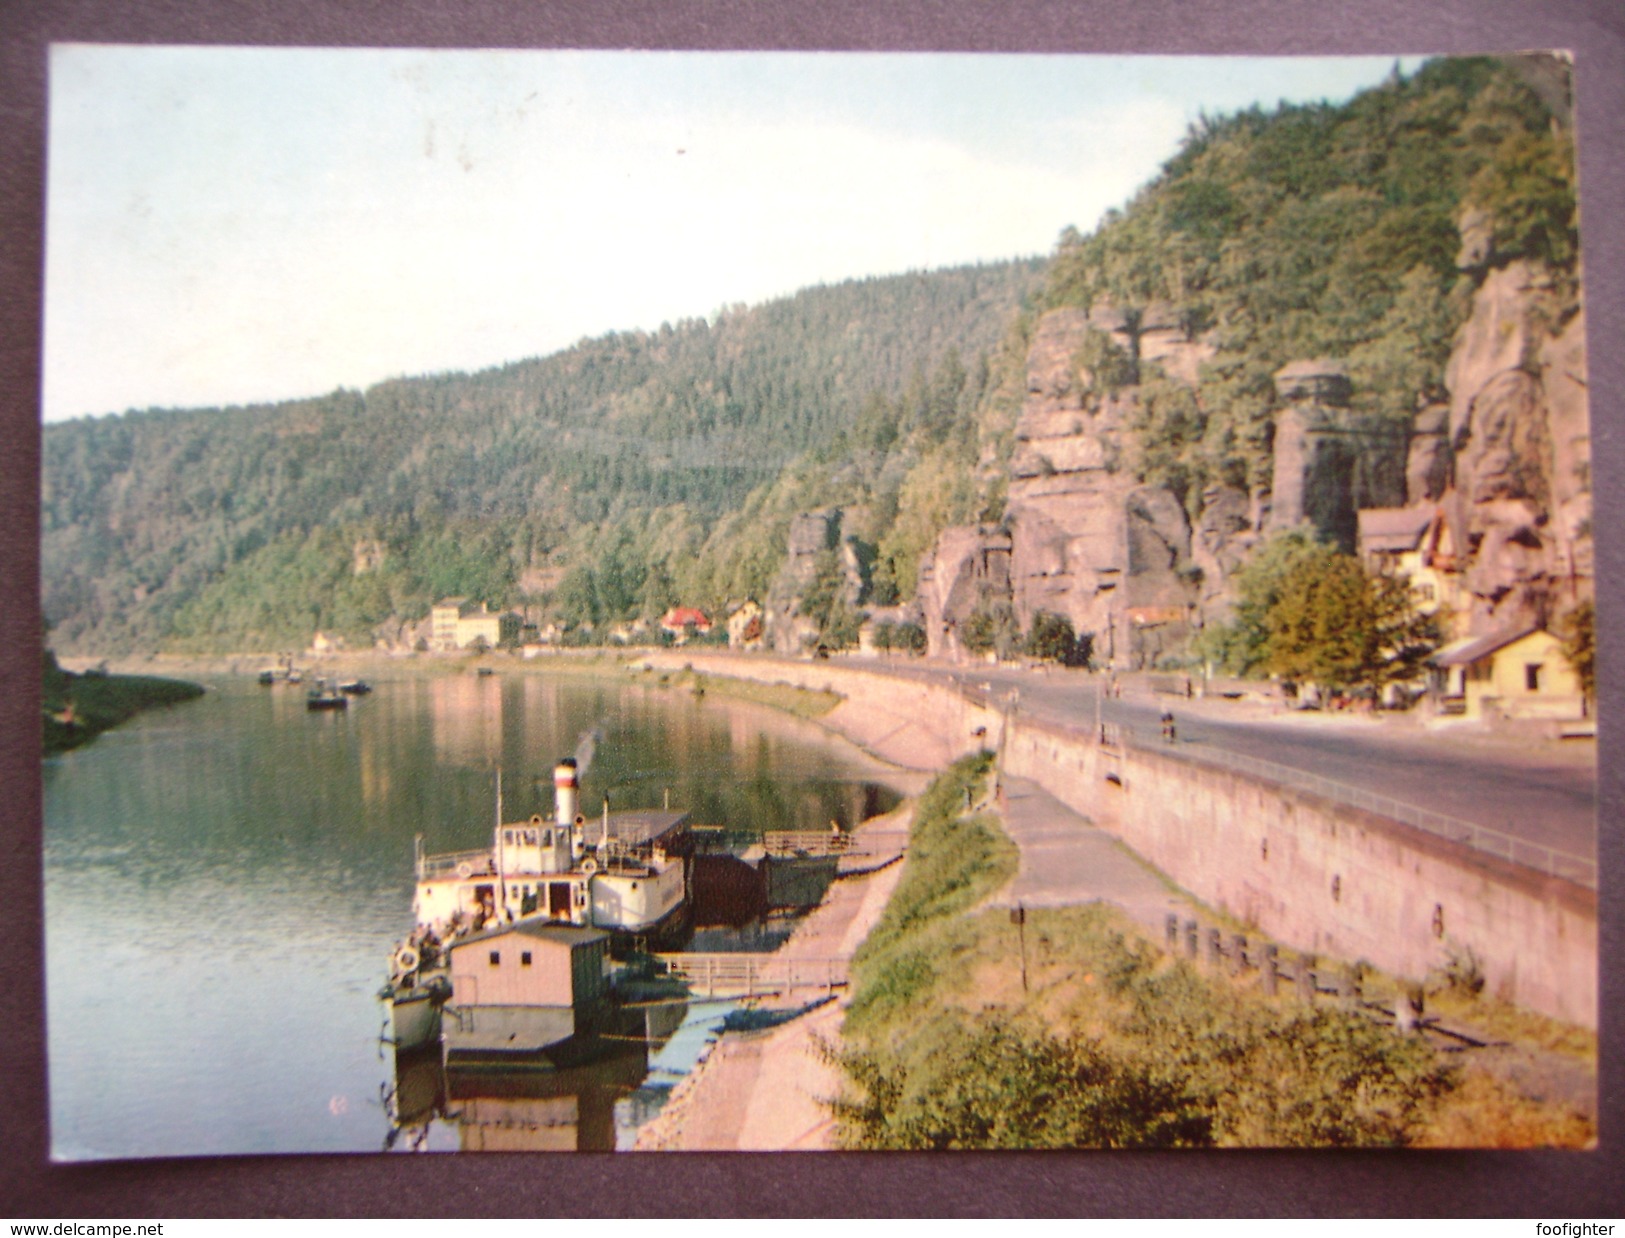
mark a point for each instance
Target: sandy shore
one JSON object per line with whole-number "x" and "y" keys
{"x": 765, "y": 1091}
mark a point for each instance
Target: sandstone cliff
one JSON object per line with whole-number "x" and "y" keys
{"x": 1519, "y": 435}
{"x": 1507, "y": 458}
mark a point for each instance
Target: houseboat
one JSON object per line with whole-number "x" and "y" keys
{"x": 530, "y": 988}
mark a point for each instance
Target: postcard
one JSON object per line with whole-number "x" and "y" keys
{"x": 639, "y": 601}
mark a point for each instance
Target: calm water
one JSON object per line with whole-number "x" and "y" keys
{"x": 225, "y": 879}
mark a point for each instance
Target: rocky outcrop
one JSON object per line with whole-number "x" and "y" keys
{"x": 1082, "y": 538}
{"x": 1428, "y": 463}
{"x": 1329, "y": 464}
{"x": 813, "y": 536}
{"x": 1068, "y": 504}
{"x": 966, "y": 569}
{"x": 1520, "y": 441}
{"x": 1506, "y": 459}
{"x": 1223, "y": 538}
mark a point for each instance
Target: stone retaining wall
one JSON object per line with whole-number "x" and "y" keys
{"x": 1314, "y": 874}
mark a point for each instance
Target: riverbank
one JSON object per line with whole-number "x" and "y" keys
{"x": 77, "y": 707}
{"x": 766, "y": 1090}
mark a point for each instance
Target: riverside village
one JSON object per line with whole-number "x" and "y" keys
{"x": 1157, "y": 712}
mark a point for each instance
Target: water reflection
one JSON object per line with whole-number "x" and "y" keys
{"x": 467, "y": 713}
{"x": 245, "y": 865}
{"x": 586, "y": 1095}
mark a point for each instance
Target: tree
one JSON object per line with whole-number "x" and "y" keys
{"x": 909, "y": 637}
{"x": 1335, "y": 624}
{"x": 991, "y": 628}
{"x": 1052, "y": 639}
{"x": 1578, "y": 632}
{"x": 826, "y": 605}
{"x": 1240, "y": 646}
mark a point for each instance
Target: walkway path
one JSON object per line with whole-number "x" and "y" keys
{"x": 764, "y": 1091}
{"x": 1066, "y": 861}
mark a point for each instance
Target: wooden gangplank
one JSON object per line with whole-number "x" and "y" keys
{"x": 754, "y": 975}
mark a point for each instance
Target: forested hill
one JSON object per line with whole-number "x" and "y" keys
{"x": 634, "y": 472}
{"x": 256, "y": 526}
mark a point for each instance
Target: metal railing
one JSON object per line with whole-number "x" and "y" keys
{"x": 1552, "y": 861}
{"x": 827, "y": 842}
{"x": 447, "y": 863}
{"x": 753, "y": 975}
{"x": 1546, "y": 859}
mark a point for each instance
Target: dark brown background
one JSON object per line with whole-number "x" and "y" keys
{"x": 1545, "y": 1185}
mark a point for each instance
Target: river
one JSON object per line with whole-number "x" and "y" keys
{"x": 224, "y": 881}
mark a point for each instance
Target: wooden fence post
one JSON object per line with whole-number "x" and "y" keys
{"x": 1214, "y": 951}
{"x": 1306, "y": 977}
{"x": 1351, "y": 994}
{"x": 1272, "y": 969}
{"x": 1190, "y": 939}
{"x": 1407, "y": 1008}
{"x": 1173, "y": 934}
{"x": 1238, "y": 954}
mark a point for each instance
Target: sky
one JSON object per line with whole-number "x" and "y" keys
{"x": 243, "y": 225}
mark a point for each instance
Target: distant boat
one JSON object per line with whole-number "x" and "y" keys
{"x": 355, "y": 687}
{"x": 325, "y": 695}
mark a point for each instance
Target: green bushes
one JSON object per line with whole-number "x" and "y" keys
{"x": 992, "y": 1083}
{"x": 1114, "y": 1046}
{"x": 1105, "y": 1043}
{"x": 955, "y": 861}
{"x": 77, "y": 708}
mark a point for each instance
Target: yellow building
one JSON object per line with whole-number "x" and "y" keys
{"x": 457, "y": 623}
{"x": 1521, "y": 674}
{"x": 1417, "y": 545}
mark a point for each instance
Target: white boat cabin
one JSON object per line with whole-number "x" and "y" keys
{"x": 621, "y": 871}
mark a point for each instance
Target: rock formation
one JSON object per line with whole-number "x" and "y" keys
{"x": 1428, "y": 462}
{"x": 812, "y": 537}
{"x": 1520, "y": 441}
{"x": 1068, "y": 504}
{"x": 1329, "y": 464}
{"x": 1506, "y": 459}
{"x": 964, "y": 570}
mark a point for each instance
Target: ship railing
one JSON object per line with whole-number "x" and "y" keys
{"x": 451, "y": 863}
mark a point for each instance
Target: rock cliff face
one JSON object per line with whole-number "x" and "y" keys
{"x": 1506, "y": 459}
{"x": 1328, "y": 464}
{"x": 967, "y": 568}
{"x": 1519, "y": 437}
{"x": 813, "y": 536}
{"x": 1083, "y": 539}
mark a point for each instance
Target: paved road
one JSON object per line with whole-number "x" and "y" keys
{"x": 1542, "y": 792}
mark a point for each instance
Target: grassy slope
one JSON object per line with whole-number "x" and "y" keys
{"x": 1111, "y": 1043}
